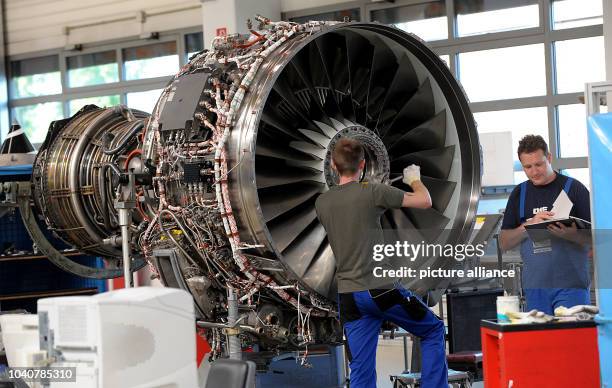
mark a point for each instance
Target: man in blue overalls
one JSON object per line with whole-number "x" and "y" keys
{"x": 555, "y": 269}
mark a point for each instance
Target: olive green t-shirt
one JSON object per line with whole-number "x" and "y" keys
{"x": 350, "y": 214}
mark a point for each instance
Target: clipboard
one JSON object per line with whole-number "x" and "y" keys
{"x": 580, "y": 223}
{"x": 539, "y": 232}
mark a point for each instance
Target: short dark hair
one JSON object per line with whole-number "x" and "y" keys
{"x": 346, "y": 155}
{"x": 532, "y": 143}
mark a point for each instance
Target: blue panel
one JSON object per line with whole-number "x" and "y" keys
{"x": 325, "y": 371}
{"x": 38, "y": 275}
{"x": 600, "y": 152}
{"x": 25, "y": 169}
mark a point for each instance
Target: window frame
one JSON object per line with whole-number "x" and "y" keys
{"x": 121, "y": 88}
{"x": 399, "y": 4}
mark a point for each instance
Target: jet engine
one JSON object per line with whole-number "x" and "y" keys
{"x": 221, "y": 180}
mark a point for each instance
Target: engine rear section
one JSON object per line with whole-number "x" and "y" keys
{"x": 226, "y": 170}
{"x": 77, "y": 171}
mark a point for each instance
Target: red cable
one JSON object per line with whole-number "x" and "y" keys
{"x": 135, "y": 152}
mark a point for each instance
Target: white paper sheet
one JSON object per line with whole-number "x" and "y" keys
{"x": 562, "y": 206}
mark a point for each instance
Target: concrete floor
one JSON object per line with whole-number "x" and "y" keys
{"x": 390, "y": 355}
{"x": 390, "y": 360}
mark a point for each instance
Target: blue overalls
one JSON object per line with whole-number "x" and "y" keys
{"x": 553, "y": 276}
{"x": 362, "y": 314}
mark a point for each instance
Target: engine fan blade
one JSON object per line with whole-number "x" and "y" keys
{"x": 315, "y": 137}
{"x": 285, "y": 229}
{"x": 301, "y": 252}
{"x": 384, "y": 67}
{"x": 360, "y": 53}
{"x": 308, "y": 148}
{"x": 420, "y": 108}
{"x": 332, "y": 48}
{"x": 312, "y": 76}
{"x": 275, "y": 202}
{"x": 320, "y": 273}
{"x": 406, "y": 230}
{"x": 435, "y": 163}
{"x": 441, "y": 191}
{"x": 405, "y": 83}
{"x": 278, "y": 149}
{"x": 431, "y": 134}
{"x": 328, "y": 130}
{"x": 270, "y": 174}
{"x": 430, "y": 222}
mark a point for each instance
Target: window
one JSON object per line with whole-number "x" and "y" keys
{"x": 194, "y": 43}
{"x": 144, "y": 101}
{"x": 35, "y": 119}
{"x": 579, "y": 61}
{"x": 521, "y": 122}
{"x": 48, "y": 88}
{"x": 492, "y": 206}
{"x": 489, "y": 16}
{"x": 576, "y": 13}
{"x": 446, "y": 59}
{"x": 503, "y": 73}
{"x": 338, "y": 16}
{"x": 92, "y": 69}
{"x": 582, "y": 174}
{"x": 428, "y": 21}
{"x": 573, "y": 130}
{"x": 154, "y": 60}
{"x": 35, "y": 77}
{"x": 101, "y": 101}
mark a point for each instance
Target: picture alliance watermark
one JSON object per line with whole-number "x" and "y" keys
{"x": 442, "y": 273}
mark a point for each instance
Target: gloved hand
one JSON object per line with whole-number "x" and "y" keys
{"x": 411, "y": 173}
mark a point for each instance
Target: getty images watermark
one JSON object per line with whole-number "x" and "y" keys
{"x": 404, "y": 252}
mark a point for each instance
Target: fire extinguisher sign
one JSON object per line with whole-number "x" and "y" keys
{"x": 222, "y": 31}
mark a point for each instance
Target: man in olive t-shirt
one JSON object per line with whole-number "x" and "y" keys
{"x": 350, "y": 213}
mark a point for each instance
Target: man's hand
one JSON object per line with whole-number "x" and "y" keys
{"x": 510, "y": 238}
{"x": 569, "y": 233}
{"x": 540, "y": 217}
{"x": 411, "y": 173}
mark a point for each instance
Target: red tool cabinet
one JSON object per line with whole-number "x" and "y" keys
{"x": 562, "y": 354}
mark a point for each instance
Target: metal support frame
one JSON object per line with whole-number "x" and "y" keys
{"x": 124, "y": 207}
{"x": 233, "y": 341}
{"x": 124, "y": 222}
{"x": 595, "y": 94}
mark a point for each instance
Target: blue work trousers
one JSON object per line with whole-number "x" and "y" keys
{"x": 363, "y": 313}
{"x": 548, "y": 299}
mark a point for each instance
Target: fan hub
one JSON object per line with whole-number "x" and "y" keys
{"x": 376, "y": 156}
